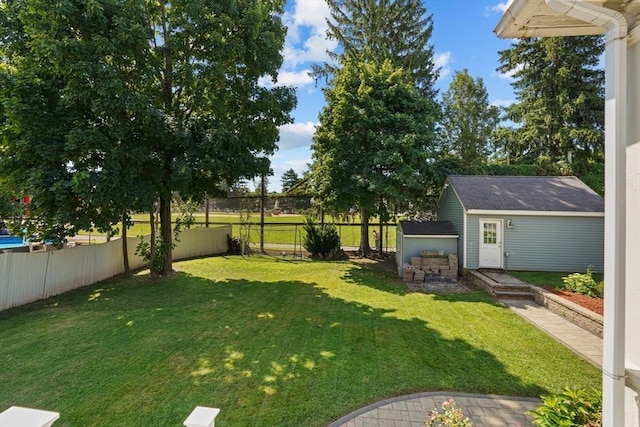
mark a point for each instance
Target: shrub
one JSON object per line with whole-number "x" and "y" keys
{"x": 571, "y": 407}
{"x": 235, "y": 246}
{"x": 583, "y": 284}
{"x": 449, "y": 417}
{"x": 322, "y": 241}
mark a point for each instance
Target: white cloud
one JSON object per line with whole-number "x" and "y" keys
{"x": 500, "y": 7}
{"x": 509, "y": 75}
{"x": 288, "y": 78}
{"x": 442, "y": 61}
{"x": 296, "y": 135}
{"x": 502, "y": 102}
{"x": 280, "y": 166}
{"x": 299, "y": 78}
{"x": 306, "y": 35}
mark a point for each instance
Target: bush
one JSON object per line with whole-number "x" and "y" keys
{"x": 449, "y": 417}
{"x": 235, "y": 246}
{"x": 322, "y": 241}
{"x": 571, "y": 407}
{"x": 583, "y": 284}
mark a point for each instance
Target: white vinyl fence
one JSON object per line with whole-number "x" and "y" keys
{"x": 27, "y": 277}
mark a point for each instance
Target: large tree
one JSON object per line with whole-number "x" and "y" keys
{"x": 371, "y": 33}
{"x": 142, "y": 96}
{"x": 468, "y": 120}
{"x": 289, "y": 179}
{"x": 560, "y": 90}
{"x": 73, "y": 127}
{"x": 372, "y": 147}
{"x": 397, "y": 30}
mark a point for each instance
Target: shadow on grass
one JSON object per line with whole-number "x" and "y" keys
{"x": 279, "y": 353}
{"x": 376, "y": 277}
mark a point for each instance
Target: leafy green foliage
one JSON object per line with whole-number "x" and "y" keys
{"x": 560, "y": 108}
{"x": 570, "y": 408}
{"x": 451, "y": 416}
{"x": 394, "y": 30}
{"x": 109, "y": 106}
{"x": 289, "y": 179}
{"x": 322, "y": 241}
{"x": 584, "y": 284}
{"x": 155, "y": 253}
{"x": 468, "y": 120}
{"x": 372, "y": 148}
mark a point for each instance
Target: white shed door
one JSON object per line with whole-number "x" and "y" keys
{"x": 490, "y": 249}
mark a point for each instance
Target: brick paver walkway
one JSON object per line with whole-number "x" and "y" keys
{"x": 411, "y": 411}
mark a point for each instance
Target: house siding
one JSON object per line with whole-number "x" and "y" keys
{"x": 449, "y": 208}
{"x": 544, "y": 243}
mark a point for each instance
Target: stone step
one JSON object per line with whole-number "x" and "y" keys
{"x": 515, "y": 295}
{"x": 509, "y": 287}
{"x": 519, "y": 291}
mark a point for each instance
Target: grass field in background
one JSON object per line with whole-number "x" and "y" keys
{"x": 270, "y": 341}
{"x": 279, "y": 229}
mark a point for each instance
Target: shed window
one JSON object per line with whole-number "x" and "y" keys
{"x": 490, "y": 233}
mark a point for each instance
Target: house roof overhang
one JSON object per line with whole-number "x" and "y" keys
{"x": 534, "y": 18}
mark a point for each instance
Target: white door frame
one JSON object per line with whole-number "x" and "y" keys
{"x": 499, "y": 242}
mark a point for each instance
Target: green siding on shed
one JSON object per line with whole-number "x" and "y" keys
{"x": 538, "y": 241}
{"x": 449, "y": 208}
{"x": 544, "y": 243}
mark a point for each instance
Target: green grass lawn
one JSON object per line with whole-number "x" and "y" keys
{"x": 271, "y": 342}
{"x": 547, "y": 278}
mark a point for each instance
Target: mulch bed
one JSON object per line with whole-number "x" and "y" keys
{"x": 594, "y": 304}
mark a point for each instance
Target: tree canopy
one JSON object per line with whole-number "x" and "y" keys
{"x": 112, "y": 105}
{"x": 374, "y": 141}
{"x": 560, "y": 90}
{"x": 397, "y": 30}
{"x": 289, "y": 179}
{"x": 468, "y": 120}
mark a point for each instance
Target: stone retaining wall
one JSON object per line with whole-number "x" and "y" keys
{"x": 582, "y": 317}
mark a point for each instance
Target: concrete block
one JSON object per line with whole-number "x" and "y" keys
{"x": 202, "y": 416}
{"x": 17, "y": 416}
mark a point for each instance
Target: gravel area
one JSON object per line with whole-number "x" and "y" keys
{"x": 436, "y": 284}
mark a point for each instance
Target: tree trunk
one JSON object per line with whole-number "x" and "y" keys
{"x": 262, "y": 208}
{"x": 152, "y": 243}
{"x": 125, "y": 249}
{"x": 166, "y": 233}
{"x": 206, "y": 211}
{"x": 365, "y": 249}
{"x": 379, "y": 248}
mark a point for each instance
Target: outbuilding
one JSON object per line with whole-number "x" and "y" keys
{"x": 532, "y": 223}
{"x": 415, "y": 237}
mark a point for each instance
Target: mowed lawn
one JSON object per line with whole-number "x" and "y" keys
{"x": 271, "y": 342}
{"x": 279, "y": 229}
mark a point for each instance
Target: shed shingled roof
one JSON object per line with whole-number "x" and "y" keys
{"x": 428, "y": 228}
{"x": 526, "y": 193}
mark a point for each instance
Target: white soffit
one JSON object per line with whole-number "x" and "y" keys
{"x": 533, "y": 18}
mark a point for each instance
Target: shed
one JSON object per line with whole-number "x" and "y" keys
{"x": 413, "y": 237}
{"x": 532, "y": 223}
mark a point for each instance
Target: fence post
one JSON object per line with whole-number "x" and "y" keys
{"x": 295, "y": 240}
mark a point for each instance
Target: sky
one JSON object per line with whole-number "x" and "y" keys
{"x": 462, "y": 38}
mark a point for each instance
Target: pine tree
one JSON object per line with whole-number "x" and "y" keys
{"x": 560, "y": 108}
{"x": 397, "y": 30}
{"x": 289, "y": 179}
